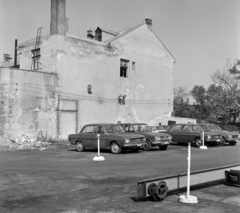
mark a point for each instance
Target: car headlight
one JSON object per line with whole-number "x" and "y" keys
{"x": 144, "y": 139}
{"x": 230, "y": 136}
{"x": 209, "y": 137}
{"x": 157, "y": 138}
{"x": 127, "y": 140}
{"x": 238, "y": 136}
{"x": 170, "y": 137}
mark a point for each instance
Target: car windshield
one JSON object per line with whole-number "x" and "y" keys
{"x": 144, "y": 128}
{"x": 160, "y": 128}
{"x": 152, "y": 128}
{"x": 113, "y": 129}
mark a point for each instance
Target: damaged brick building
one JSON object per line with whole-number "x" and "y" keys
{"x": 65, "y": 81}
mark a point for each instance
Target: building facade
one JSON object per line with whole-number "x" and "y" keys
{"x": 124, "y": 76}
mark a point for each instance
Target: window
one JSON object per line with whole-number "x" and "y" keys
{"x": 36, "y": 59}
{"x": 187, "y": 128}
{"x": 175, "y": 128}
{"x": 133, "y": 65}
{"x": 124, "y": 68}
{"x": 88, "y": 129}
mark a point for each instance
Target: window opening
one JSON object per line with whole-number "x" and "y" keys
{"x": 36, "y": 59}
{"x": 133, "y": 65}
{"x": 124, "y": 68}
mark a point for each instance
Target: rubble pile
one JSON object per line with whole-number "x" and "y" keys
{"x": 25, "y": 142}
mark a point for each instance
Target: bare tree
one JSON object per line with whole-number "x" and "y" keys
{"x": 225, "y": 79}
{"x": 179, "y": 94}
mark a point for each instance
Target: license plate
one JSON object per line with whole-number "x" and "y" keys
{"x": 139, "y": 145}
{"x": 218, "y": 140}
{"x": 165, "y": 143}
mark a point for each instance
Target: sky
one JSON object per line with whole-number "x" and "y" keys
{"x": 202, "y": 35}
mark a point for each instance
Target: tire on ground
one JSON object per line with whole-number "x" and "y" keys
{"x": 115, "y": 148}
{"x": 79, "y": 146}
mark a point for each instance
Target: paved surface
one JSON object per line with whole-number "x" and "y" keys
{"x": 59, "y": 179}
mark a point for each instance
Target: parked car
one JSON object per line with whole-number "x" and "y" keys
{"x": 185, "y": 133}
{"x": 162, "y": 140}
{"x": 112, "y": 137}
{"x": 230, "y": 137}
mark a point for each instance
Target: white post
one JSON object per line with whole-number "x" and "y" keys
{"x": 98, "y": 158}
{"x": 188, "y": 170}
{"x": 203, "y": 146}
{"x": 189, "y": 198}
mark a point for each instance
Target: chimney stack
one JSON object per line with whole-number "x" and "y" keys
{"x": 149, "y": 22}
{"x": 59, "y": 22}
{"x": 90, "y": 34}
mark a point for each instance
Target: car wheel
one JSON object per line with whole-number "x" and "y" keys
{"x": 115, "y": 148}
{"x": 222, "y": 142}
{"x": 164, "y": 147}
{"x": 232, "y": 143}
{"x": 198, "y": 142}
{"x": 147, "y": 146}
{"x": 79, "y": 146}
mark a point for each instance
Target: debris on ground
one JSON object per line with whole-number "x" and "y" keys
{"x": 24, "y": 142}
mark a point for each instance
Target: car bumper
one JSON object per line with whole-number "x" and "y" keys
{"x": 213, "y": 141}
{"x": 132, "y": 145}
{"x": 159, "y": 143}
{"x": 233, "y": 140}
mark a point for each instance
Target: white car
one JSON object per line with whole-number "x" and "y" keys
{"x": 157, "y": 128}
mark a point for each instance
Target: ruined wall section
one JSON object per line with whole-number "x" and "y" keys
{"x": 28, "y": 100}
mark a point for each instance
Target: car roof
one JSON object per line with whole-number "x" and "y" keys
{"x": 132, "y": 123}
{"x": 186, "y": 124}
{"x": 101, "y": 124}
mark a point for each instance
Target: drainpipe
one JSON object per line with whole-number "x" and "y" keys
{"x": 15, "y": 53}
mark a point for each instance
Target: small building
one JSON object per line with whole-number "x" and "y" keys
{"x": 124, "y": 76}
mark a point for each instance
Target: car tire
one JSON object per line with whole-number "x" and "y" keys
{"x": 232, "y": 143}
{"x": 222, "y": 143}
{"x": 115, "y": 148}
{"x": 198, "y": 142}
{"x": 147, "y": 146}
{"x": 164, "y": 147}
{"x": 79, "y": 146}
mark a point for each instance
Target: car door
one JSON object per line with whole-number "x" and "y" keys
{"x": 98, "y": 129}
{"x": 86, "y": 136}
{"x": 176, "y": 132}
{"x": 187, "y": 133}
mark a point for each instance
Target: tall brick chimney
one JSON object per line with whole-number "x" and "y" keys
{"x": 59, "y": 22}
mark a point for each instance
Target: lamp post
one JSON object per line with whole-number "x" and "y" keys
{"x": 98, "y": 158}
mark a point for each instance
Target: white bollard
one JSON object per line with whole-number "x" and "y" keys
{"x": 189, "y": 198}
{"x": 98, "y": 158}
{"x": 203, "y": 146}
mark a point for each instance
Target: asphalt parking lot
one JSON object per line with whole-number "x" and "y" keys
{"x": 59, "y": 179}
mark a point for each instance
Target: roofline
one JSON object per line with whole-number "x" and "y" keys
{"x": 163, "y": 45}
{"x": 134, "y": 28}
{"x": 124, "y": 33}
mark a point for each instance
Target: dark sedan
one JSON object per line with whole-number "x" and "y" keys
{"x": 227, "y": 137}
{"x": 111, "y": 136}
{"x": 185, "y": 133}
{"x": 162, "y": 140}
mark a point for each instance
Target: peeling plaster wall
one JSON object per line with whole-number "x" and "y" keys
{"x": 80, "y": 62}
{"x": 27, "y": 101}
